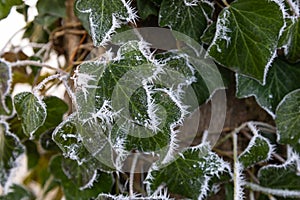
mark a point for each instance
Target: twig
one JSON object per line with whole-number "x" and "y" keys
{"x": 276, "y": 192}
{"x": 36, "y": 63}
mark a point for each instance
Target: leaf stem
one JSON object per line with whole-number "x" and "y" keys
{"x": 225, "y": 3}
{"x": 131, "y": 177}
{"x": 277, "y": 192}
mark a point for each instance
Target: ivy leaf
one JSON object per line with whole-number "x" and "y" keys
{"x": 247, "y": 36}
{"x": 288, "y": 119}
{"x": 290, "y": 40}
{"x": 190, "y": 19}
{"x": 6, "y": 107}
{"x": 31, "y": 110}
{"x": 188, "y": 175}
{"x": 285, "y": 176}
{"x": 105, "y": 17}
{"x": 10, "y": 150}
{"x": 103, "y": 182}
{"x": 259, "y": 150}
{"x": 209, "y": 34}
{"x": 6, "y": 5}
{"x": 18, "y": 192}
{"x": 282, "y": 78}
{"x": 5, "y": 83}
{"x": 56, "y": 108}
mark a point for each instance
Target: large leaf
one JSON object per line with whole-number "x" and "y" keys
{"x": 103, "y": 184}
{"x": 189, "y": 174}
{"x": 6, "y": 5}
{"x": 10, "y": 149}
{"x": 288, "y": 119}
{"x": 259, "y": 149}
{"x": 190, "y": 19}
{"x": 105, "y": 16}
{"x": 31, "y": 110}
{"x": 290, "y": 40}
{"x": 247, "y": 36}
{"x": 282, "y": 78}
{"x": 285, "y": 176}
{"x": 18, "y": 192}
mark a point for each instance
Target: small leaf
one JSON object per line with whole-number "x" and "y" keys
{"x": 247, "y": 36}
{"x": 105, "y": 17}
{"x": 18, "y": 192}
{"x": 103, "y": 183}
{"x": 7, "y": 107}
{"x": 6, "y": 5}
{"x": 285, "y": 176}
{"x": 31, "y": 110}
{"x": 10, "y": 150}
{"x": 282, "y": 78}
{"x": 290, "y": 40}
{"x": 188, "y": 175}
{"x": 259, "y": 149}
{"x": 185, "y": 18}
{"x": 288, "y": 119}
{"x": 5, "y": 83}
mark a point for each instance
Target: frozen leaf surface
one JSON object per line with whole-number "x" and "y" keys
{"x": 247, "y": 36}
{"x": 31, "y": 110}
{"x": 259, "y": 149}
{"x": 105, "y": 17}
{"x": 189, "y": 174}
{"x": 190, "y": 19}
{"x": 288, "y": 119}
{"x": 10, "y": 149}
{"x": 282, "y": 78}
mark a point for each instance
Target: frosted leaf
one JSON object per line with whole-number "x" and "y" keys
{"x": 10, "y": 150}
{"x": 5, "y": 82}
{"x": 32, "y": 112}
{"x": 105, "y": 17}
{"x": 249, "y": 51}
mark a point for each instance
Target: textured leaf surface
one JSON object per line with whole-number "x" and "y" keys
{"x": 284, "y": 176}
{"x": 290, "y": 40}
{"x": 282, "y": 78}
{"x": 56, "y": 108}
{"x": 31, "y": 111}
{"x": 5, "y": 79}
{"x": 71, "y": 190}
{"x": 247, "y": 36}
{"x": 189, "y": 174}
{"x": 18, "y": 192}
{"x": 105, "y": 17}
{"x": 288, "y": 118}
{"x": 10, "y": 149}
{"x": 182, "y": 17}
{"x": 259, "y": 149}
{"x": 6, "y": 5}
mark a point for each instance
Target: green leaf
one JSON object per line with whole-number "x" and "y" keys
{"x": 282, "y": 78}
{"x": 5, "y": 84}
{"x": 10, "y": 150}
{"x": 247, "y": 36}
{"x": 55, "y": 8}
{"x": 56, "y": 108}
{"x": 189, "y": 174}
{"x": 146, "y": 8}
{"x": 290, "y": 40}
{"x": 6, "y": 107}
{"x": 32, "y": 153}
{"x": 103, "y": 183}
{"x": 6, "y": 5}
{"x": 105, "y": 17}
{"x": 285, "y": 176}
{"x": 31, "y": 110}
{"x": 209, "y": 34}
{"x": 259, "y": 149}
{"x": 189, "y": 19}
{"x": 18, "y": 192}
{"x": 288, "y": 119}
